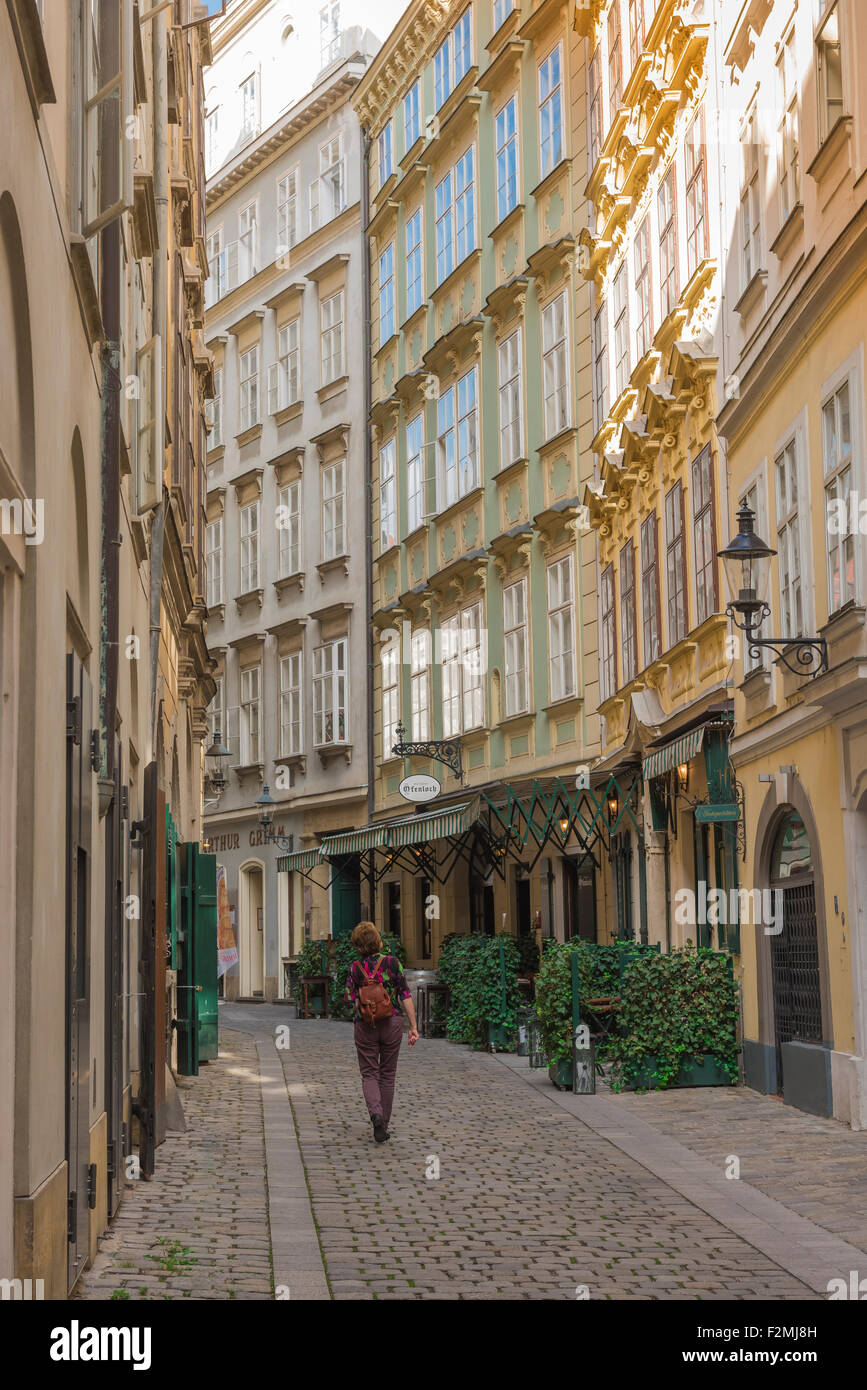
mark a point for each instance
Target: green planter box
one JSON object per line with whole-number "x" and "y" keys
{"x": 501, "y": 1038}
{"x": 561, "y": 1074}
{"x": 696, "y": 1071}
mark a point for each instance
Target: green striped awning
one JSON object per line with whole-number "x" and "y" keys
{"x": 300, "y": 862}
{"x": 433, "y": 825}
{"x": 354, "y": 841}
{"x": 680, "y": 750}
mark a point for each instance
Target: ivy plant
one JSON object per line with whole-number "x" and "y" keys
{"x": 470, "y": 966}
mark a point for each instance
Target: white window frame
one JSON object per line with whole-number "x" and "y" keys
{"x": 829, "y": 35}
{"x": 790, "y": 534}
{"x": 510, "y": 368}
{"x": 214, "y": 412}
{"x": 331, "y": 693}
{"x": 419, "y": 681}
{"x": 248, "y": 388}
{"x": 251, "y": 715}
{"x": 332, "y": 357}
{"x": 385, "y": 151}
{"x": 415, "y": 472}
{"x": 387, "y": 294}
{"x": 458, "y": 465}
{"x": 551, "y": 105}
{"x": 507, "y": 157}
{"x": 502, "y": 10}
{"x": 516, "y": 665}
{"x": 329, "y": 34}
{"x": 390, "y": 674}
{"x": 214, "y": 562}
{"x": 216, "y": 285}
{"x": 562, "y": 670}
{"x": 333, "y": 483}
{"x": 620, "y": 312}
{"x": 414, "y": 255}
{"x": 463, "y": 651}
{"x": 850, "y": 374}
{"x": 388, "y": 494}
{"x": 248, "y": 89}
{"x": 289, "y": 526}
{"x": 754, "y": 493}
{"x": 292, "y": 704}
{"x": 751, "y": 203}
{"x": 451, "y": 61}
{"x": 248, "y": 238}
{"x": 284, "y": 375}
{"x": 287, "y": 210}
{"x": 788, "y": 132}
{"x": 455, "y": 215}
{"x": 249, "y": 554}
{"x": 412, "y": 115}
{"x": 556, "y": 381}
{"x": 327, "y": 193}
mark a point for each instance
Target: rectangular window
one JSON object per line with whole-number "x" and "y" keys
{"x": 465, "y": 219}
{"x": 214, "y": 411}
{"x": 650, "y": 589}
{"x": 251, "y": 680}
{"x": 555, "y": 366}
{"x": 217, "y": 713}
{"x": 600, "y": 368}
{"x": 445, "y": 229}
{"x": 390, "y": 667}
{"x": 212, "y": 137}
{"x": 330, "y": 693}
{"x": 329, "y": 33}
{"x": 216, "y": 283}
{"x": 411, "y": 116}
{"x": 289, "y": 526}
{"x": 415, "y": 472}
{"x": 675, "y": 566}
{"x": 331, "y": 330}
{"x": 608, "y": 634}
{"x": 550, "y": 112}
{"x": 643, "y": 289}
{"x": 414, "y": 266}
{"x": 561, "y": 630}
{"x": 214, "y": 562}
{"x": 443, "y": 72}
{"x": 789, "y": 540}
{"x": 837, "y": 462}
{"x": 452, "y": 59}
{"x": 515, "y": 648}
{"x": 620, "y": 309}
{"x": 788, "y": 137}
{"x": 386, "y": 295}
{"x": 511, "y": 400}
{"x": 506, "y": 135}
{"x": 472, "y": 667}
{"x": 333, "y": 511}
{"x": 420, "y": 654}
{"x": 628, "y": 625}
{"x": 751, "y": 224}
{"x": 287, "y": 212}
{"x": 637, "y": 31}
{"x": 704, "y": 535}
{"x": 596, "y": 117}
{"x": 250, "y": 547}
{"x": 502, "y": 10}
{"x": 388, "y": 495}
{"x": 250, "y": 106}
{"x": 249, "y": 382}
{"x": 615, "y": 58}
{"x": 290, "y": 704}
{"x": 463, "y": 47}
{"x": 248, "y": 256}
{"x": 829, "y": 68}
{"x": 666, "y": 205}
{"x": 386, "y": 152}
{"x": 284, "y": 375}
{"x": 328, "y": 192}
{"x": 450, "y": 656}
{"x": 457, "y": 440}
{"x": 696, "y": 195}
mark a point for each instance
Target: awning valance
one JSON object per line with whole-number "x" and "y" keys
{"x": 353, "y": 842}
{"x": 679, "y": 750}
{"x": 301, "y": 862}
{"x": 440, "y": 824}
{"x": 433, "y": 825}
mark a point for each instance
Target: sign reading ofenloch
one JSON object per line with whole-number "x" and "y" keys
{"x": 419, "y": 788}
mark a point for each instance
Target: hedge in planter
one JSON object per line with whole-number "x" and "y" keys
{"x": 470, "y": 966}
{"x": 339, "y": 955}
{"x": 599, "y": 975}
{"x": 677, "y": 1012}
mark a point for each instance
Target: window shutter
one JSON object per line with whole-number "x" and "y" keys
{"x": 150, "y": 411}
{"x": 273, "y": 406}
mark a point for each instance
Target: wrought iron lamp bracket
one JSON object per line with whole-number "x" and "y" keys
{"x": 443, "y": 750}
{"x": 803, "y": 656}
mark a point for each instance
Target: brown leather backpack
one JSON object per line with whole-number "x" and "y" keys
{"x": 374, "y": 1001}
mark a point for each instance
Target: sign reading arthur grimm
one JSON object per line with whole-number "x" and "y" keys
{"x": 227, "y": 951}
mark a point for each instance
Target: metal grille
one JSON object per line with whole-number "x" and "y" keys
{"x": 795, "y": 971}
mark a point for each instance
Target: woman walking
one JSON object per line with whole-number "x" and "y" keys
{"x": 374, "y": 985}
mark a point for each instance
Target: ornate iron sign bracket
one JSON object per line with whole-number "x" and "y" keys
{"x": 444, "y": 750}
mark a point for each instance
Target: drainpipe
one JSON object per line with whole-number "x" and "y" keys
{"x": 368, "y": 492}
{"x": 161, "y": 195}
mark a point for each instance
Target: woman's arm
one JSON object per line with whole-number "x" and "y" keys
{"x": 409, "y": 1010}
{"x": 405, "y": 997}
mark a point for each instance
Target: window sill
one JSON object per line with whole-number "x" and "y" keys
{"x": 288, "y": 581}
{"x": 570, "y": 704}
{"x": 326, "y": 567}
{"x": 332, "y": 389}
{"x": 463, "y": 268}
{"x": 328, "y": 751}
{"x": 752, "y": 295}
{"x": 547, "y": 183}
{"x": 390, "y": 342}
{"x": 511, "y": 470}
{"x": 288, "y": 412}
{"x": 517, "y": 723}
{"x": 217, "y": 613}
{"x": 506, "y": 222}
{"x": 835, "y": 141}
{"x": 215, "y": 455}
{"x": 789, "y": 233}
{"x": 843, "y": 622}
{"x": 297, "y": 761}
{"x": 244, "y": 770}
{"x": 564, "y": 436}
{"x": 247, "y": 599}
{"x": 451, "y": 511}
{"x": 247, "y": 436}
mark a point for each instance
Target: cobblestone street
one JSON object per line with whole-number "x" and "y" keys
{"x": 539, "y": 1194}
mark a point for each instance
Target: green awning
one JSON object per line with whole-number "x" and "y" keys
{"x": 354, "y": 841}
{"x": 433, "y": 825}
{"x": 680, "y": 750}
{"x": 300, "y": 862}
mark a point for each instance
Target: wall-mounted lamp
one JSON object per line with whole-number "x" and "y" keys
{"x": 613, "y": 807}
{"x": 682, "y": 778}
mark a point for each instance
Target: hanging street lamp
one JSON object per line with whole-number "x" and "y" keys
{"x": 266, "y": 804}
{"x": 215, "y": 756}
{"x": 747, "y": 560}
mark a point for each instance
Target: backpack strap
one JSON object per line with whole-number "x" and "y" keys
{"x": 371, "y": 978}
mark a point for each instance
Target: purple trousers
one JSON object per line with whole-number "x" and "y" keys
{"x": 378, "y": 1049}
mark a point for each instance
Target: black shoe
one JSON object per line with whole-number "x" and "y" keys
{"x": 380, "y": 1133}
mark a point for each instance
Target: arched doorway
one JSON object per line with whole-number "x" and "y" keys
{"x": 796, "y": 982}
{"x": 251, "y": 930}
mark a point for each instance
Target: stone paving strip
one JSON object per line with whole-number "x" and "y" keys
{"x": 807, "y": 1250}
{"x": 199, "y": 1228}
{"x": 529, "y": 1202}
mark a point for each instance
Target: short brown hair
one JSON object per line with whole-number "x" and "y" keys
{"x": 366, "y": 939}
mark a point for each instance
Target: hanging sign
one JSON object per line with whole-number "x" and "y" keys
{"x": 419, "y": 787}
{"x": 717, "y": 811}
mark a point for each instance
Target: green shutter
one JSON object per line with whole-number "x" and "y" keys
{"x": 173, "y": 889}
{"x": 197, "y": 969}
